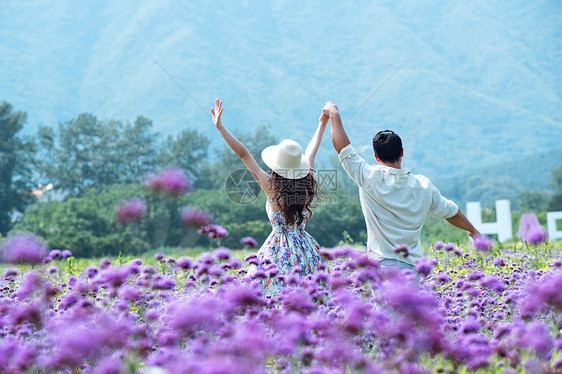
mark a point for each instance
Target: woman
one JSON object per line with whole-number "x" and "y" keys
{"x": 290, "y": 189}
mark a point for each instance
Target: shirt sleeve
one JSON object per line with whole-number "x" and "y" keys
{"x": 354, "y": 165}
{"x": 440, "y": 206}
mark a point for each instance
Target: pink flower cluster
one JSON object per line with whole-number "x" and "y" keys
{"x": 214, "y": 231}
{"x": 249, "y": 241}
{"x": 194, "y": 216}
{"x": 23, "y": 247}
{"x": 482, "y": 242}
{"x": 170, "y": 180}
{"x": 130, "y": 210}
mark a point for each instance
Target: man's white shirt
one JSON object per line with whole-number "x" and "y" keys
{"x": 395, "y": 204}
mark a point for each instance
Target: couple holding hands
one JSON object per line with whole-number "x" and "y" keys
{"x": 394, "y": 201}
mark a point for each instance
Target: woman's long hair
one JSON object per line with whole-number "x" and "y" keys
{"x": 293, "y": 196}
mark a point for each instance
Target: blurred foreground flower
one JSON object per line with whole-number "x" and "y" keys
{"x": 194, "y": 216}
{"x": 170, "y": 180}
{"x": 23, "y": 248}
{"x": 535, "y": 236}
{"x": 482, "y": 242}
{"x": 130, "y": 210}
{"x": 214, "y": 231}
{"x": 424, "y": 265}
{"x": 249, "y": 241}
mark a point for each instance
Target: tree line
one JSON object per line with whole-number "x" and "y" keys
{"x": 92, "y": 164}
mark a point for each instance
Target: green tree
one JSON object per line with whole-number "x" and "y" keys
{"x": 86, "y": 152}
{"x": 555, "y": 203}
{"x": 488, "y": 190}
{"x": 17, "y": 160}
{"x": 188, "y": 151}
{"x": 532, "y": 201}
{"x": 557, "y": 178}
{"x": 228, "y": 161}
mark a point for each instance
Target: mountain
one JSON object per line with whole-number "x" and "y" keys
{"x": 483, "y": 85}
{"x": 502, "y": 181}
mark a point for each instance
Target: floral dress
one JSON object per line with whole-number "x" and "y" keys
{"x": 288, "y": 247}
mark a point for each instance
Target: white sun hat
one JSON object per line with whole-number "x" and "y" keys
{"x": 286, "y": 159}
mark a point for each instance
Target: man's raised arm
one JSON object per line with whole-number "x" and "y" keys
{"x": 339, "y": 137}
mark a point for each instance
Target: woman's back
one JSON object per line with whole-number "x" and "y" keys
{"x": 278, "y": 221}
{"x": 290, "y": 248}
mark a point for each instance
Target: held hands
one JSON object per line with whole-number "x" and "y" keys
{"x": 217, "y": 111}
{"x": 330, "y": 109}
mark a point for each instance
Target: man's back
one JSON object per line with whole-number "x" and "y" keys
{"x": 395, "y": 204}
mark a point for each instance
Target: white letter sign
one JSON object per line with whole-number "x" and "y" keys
{"x": 502, "y": 227}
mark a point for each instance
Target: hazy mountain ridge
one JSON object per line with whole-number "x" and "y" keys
{"x": 483, "y": 86}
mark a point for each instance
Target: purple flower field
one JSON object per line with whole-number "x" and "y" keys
{"x": 495, "y": 311}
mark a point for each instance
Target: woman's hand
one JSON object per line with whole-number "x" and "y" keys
{"x": 323, "y": 120}
{"x": 217, "y": 111}
{"x": 330, "y": 109}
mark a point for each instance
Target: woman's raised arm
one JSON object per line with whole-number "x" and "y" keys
{"x": 240, "y": 149}
{"x": 316, "y": 140}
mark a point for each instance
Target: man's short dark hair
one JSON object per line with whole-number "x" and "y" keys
{"x": 387, "y": 146}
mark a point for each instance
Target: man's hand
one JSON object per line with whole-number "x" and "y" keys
{"x": 330, "y": 109}
{"x": 339, "y": 137}
{"x": 474, "y": 233}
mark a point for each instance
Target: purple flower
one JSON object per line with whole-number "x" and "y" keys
{"x": 243, "y": 297}
{"x": 536, "y": 336}
{"x": 213, "y": 231}
{"x": 184, "y": 263}
{"x": 298, "y": 300}
{"x": 109, "y": 365}
{"x": 66, "y": 253}
{"x": 77, "y": 340}
{"x": 23, "y": 248}
{"x": 170, "y": 180}
{"x": 195, "y": 315}
{"x": 498, "y": 261}
{"x": 482, "y": 242}
{"x": 152, "y": 314}
{"x": 493, "y": 283}
{"x": 535, "y": 236}
{"x": 161, "y": 282}
{"x": 424, "y": 266}
{"x": 92, "y": 271}
{"x": 249, "y": 241}
{"x": 442, "y": 277}
{"x": 68, "y": 300}
{"x": 104, "y": 263}
{"x": 194, "y": 216}
{"x": 438, "y": 245}
{"x": 470, "y": 326}
{"x": 449, "y": 247}
{"x": 130, "y": 293}
{"x": 31, "y": 281}
{"x": 475, "y": 275}
{"x": 54, "y": 253}
{"x": 222, "y": 253}
{"x": 114, "y": 277}
{"x": 542, "y": 296}
{"x": 402, "y": 249}
{"x": 11, "y": 272}
{"x": 130, "y": 210}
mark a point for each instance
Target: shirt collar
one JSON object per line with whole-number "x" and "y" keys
{"x": 394, "y": 171}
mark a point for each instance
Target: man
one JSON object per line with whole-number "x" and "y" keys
{"x": 395, "y": 202}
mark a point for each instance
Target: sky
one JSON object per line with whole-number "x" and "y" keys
{"x": 482, "y": 85}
